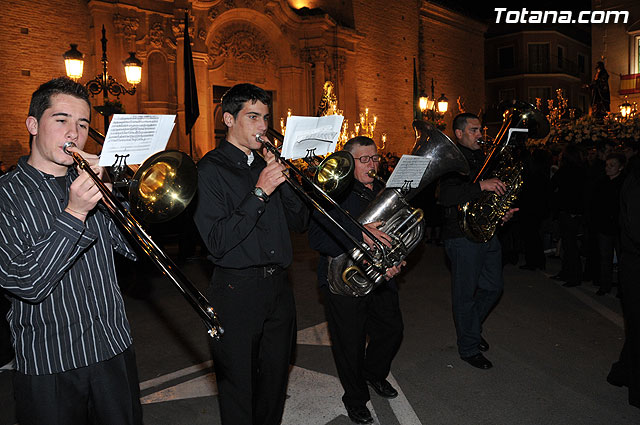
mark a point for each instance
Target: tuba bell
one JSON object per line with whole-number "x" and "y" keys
{"x": 352, "y": 273}
{"x": 479, "y": 219}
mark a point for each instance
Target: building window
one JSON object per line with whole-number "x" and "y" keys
{"x": 506, "y": 57}
{"x": 560, "y": 57}
{"x": 637, "y": 61}
{"x": 581, "y": 63}
{"x": 506, "y": 95}
{"x": 539, "y": 57}
{"x": 543, "y": 93}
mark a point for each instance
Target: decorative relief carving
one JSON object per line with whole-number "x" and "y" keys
{"x": 243, "y": 44}
{"x": 212, "y": 14}
{"x": 126, "y": 24}
{"x": 314, "y": 54}
{"x": 202, "y": 35}
{"x": 156, "y": 35}
{"x": 177, "y": 26}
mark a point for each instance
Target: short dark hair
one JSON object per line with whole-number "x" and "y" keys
{"x": 618, "y": 156}
{"x": 234, "y": 98}
{"x": 460, "y": 121}
{"x": 358, "y": 141}
{"x": 41, "y": 98}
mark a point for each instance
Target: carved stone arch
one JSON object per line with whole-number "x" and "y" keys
{"x": 257, "y": 36}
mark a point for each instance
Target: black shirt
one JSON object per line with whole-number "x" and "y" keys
{"x": 240, "y": 230}
{"x": 66, "y": 308}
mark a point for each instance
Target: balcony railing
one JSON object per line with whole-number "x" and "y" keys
{"x": 630, "y": 84}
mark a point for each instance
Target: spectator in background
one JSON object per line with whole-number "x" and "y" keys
{"x": 626, "y": 371}
{"x": 568, "y": 187}
{"x": 605, "y": 208}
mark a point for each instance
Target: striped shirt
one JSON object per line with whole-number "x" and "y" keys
{"x": 66, "y": 308}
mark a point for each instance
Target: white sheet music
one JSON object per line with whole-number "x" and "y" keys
{"x": 311, "y": 135}
{"x": 136, "y": 135}
{"x": 408, "y": 172}
{"x": 516, "y": 130}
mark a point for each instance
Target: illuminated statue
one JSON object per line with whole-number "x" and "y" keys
{"x": 600, "y": 97}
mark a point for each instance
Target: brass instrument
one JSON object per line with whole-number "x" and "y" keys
{"x": 479, "y": 219}
{"x": 351, "y": 273}
{"x": 331, "y": 177}
{"x": 163, "y": 186}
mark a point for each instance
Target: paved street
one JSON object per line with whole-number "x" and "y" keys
{"x": 551, "y": 348}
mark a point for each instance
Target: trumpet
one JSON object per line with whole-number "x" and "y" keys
{"x": 153, "y": 174}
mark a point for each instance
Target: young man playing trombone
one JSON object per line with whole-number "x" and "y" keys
{"x": 74, "y": 359}
{"x": 244, "y": 214}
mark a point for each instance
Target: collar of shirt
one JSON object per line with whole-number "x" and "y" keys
{"x": 236, "y": 156}
{"x": 35, "y": 177}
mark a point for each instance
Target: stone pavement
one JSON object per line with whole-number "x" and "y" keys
{"x": 551, "y": 348}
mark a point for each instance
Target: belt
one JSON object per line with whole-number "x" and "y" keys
{"x": 259, "y": 271}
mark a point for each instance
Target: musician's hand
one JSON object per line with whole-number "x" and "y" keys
{"x": 93, "y": 160}
{"x": 509, "y": 215}
{"x": 493, "y": 185}
{"x": 83, "y": 196}
{"x": 381, "y": 236}
{"x": 267, "y": 154}
{"x": 271, "y": 176}
{"x": 392, "y": 271}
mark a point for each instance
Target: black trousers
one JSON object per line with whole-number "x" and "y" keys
{"x": 251, "y": 359}
{"x": 351, "y": 320}
{"x": 105, "y": 393}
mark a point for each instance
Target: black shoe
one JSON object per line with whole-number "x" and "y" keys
{"x": 359, "y": 414}
{"x": 570, "y": 284}
{"x": 483, "y": 345}
{"x": 479, "y": 361}
{"x": 383, "y": 388}
{"x": 601, "y": 292}
{"x": 557, "y": 277}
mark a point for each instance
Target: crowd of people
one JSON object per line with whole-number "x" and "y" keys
{"x": 74, "y": 354}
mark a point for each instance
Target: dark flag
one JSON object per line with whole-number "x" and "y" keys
{"x": 417, "y": 114}
{"x": 191, "y": 109}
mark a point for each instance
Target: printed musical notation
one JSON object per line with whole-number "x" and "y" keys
{"x": 136, "y": 135}
{"x": 409, "y": 171}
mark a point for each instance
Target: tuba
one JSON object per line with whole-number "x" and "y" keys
{"x": 479, "y": 219}
{"x": 352, "y": 273}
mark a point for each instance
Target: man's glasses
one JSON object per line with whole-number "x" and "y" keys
{"x": 366, "y": 158}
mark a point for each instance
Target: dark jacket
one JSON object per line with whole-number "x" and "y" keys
{"x": 457, "y": 189}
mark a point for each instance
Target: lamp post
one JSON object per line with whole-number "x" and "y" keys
{"x": 104, "y": 83}
{"x": 432, "y": 108}
{"x": 625, "y": 109}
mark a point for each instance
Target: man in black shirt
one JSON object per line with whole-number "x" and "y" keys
{"x": 244, "y": 214}
{"x": 476, "y": 267}
{"x": 352, "y": 319}
{"x": 74, "y": 359}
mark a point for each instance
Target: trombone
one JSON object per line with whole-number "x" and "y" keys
{"x": 148, "y": 194}
{"x": 332, "y": 175}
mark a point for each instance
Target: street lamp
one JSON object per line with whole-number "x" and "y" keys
{"x": 625, "y": 108}
{"x": 104, "y": 83}
{"x": 432, "y": 108}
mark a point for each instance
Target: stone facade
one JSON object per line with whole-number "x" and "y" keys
{"x": 618, "y": 45}
{"x": 289, "y": 48}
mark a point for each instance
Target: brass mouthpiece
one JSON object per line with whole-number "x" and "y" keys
{"x": 66, "y": 147}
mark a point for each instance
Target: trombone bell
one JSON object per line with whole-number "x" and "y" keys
{"x": 163, "y": 186}
{"x": 335, "y": 173}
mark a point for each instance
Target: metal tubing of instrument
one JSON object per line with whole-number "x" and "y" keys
{"x": 159, "y": 258}
{"x": 273, "y": 149}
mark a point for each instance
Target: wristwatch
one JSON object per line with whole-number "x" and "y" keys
{"x": 261, "y": 194}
